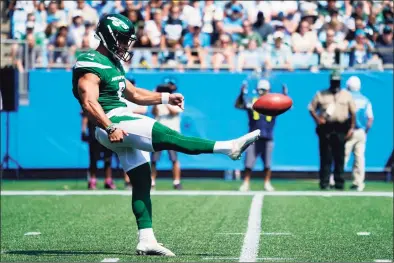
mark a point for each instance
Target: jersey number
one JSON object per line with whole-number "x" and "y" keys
{"x": 122, "y": 86}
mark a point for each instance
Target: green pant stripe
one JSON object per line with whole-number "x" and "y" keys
{"x": 117, "y": 119}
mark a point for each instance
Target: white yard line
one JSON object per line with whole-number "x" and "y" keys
{"x": 250, "y": 246}
{"x": 275, "y": 259}
{"x": 363, "y": 233}
{"x": 194, "y": 193}
{"x": 32, "y": 233}
{"x": 383, "y": 260}
{"x": 110, "y": 260}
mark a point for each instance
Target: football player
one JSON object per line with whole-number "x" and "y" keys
{"x": 100, "y": 86}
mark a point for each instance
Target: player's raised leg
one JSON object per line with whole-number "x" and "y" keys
{"x": 146, "y": 134}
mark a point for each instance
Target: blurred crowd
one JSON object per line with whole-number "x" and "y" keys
{"x": 213, "y": 34}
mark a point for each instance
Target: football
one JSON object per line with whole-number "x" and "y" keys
{"x": 273, "y": 104}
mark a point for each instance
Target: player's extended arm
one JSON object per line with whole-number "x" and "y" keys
{"x": 88, "y": 90}
{"x": 146, "y": 97}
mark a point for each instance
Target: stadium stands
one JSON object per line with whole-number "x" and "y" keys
{"x": 234, "y": 35}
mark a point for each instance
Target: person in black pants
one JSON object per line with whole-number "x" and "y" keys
{"x": 96, "y": 153}
{"x": 331, "y": 109}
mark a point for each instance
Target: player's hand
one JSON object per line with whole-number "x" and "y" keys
{"x": 321, "y": 121}
{"x": 349, "y": 134}
{"x": 117, "y": 135}
{"x": 177, "y": 99}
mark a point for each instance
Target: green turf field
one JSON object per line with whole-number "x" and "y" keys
{"x": 199, "y": 227}
{"x": 188, "y": 184}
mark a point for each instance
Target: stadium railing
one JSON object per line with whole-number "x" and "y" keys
{"x": 169, "y": 59}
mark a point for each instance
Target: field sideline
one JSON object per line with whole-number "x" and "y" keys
{"x": 216, "y": 225}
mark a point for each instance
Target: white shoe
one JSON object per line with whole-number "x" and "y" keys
{"x": 360, "y": 188}
{"x": 268, "y": 187}
{"x": 242, "y": 143}
{"x": 244, "y": 187}
{"x": 153, "y": 248}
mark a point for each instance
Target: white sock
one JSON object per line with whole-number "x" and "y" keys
{"x": 177, "y": 182}
{"x": 153, "y": 182}
{"x": 224, "y": 147}
{"x": 146, "y": 235}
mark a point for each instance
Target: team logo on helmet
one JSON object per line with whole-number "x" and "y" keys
{"x": 117, "y": 22}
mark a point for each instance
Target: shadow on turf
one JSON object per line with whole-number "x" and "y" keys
{"x": 63, "y": 253}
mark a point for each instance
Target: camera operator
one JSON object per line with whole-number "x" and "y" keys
{"x": 169, "y": 116}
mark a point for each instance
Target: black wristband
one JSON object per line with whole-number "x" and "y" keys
{"x": 110, "y": 129}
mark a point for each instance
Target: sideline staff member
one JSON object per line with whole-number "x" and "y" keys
{"x": 331, "y": 109}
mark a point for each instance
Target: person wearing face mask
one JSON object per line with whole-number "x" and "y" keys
{"x": 331, "y": 108}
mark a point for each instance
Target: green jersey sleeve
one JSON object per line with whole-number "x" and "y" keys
{"x": 88, "y": 63}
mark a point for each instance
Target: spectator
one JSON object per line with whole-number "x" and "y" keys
{"x": 327, "y": 11}
{"x": 279, "y": 27}
{"x": 77, "y": 28}
{"x": 142, "y": 54}
{"x": 85, "y": 46}
{"x": 328, "y": 48}
{"x": 255, "y": 7}
{"x": 198, "y": 41}
{"x": 88, "y": 13}
{"x": 173, "y": 29}
{"x": 359, "y": 24}
{"x": 360, "y": 49}
{"x": 63, "y": 31}
{"x": 278, "y": 55}
{"x": 248, "y": 35}
{"x": 261, "y": 27}
{"x": 338, "y": 27}
{"x": 233, "y": 23}
{"x": 134, "y": 16}
{"x": 251, "y": 57}
{"x": 284, "y": 8}
{"x": 384, "y": 46}
{"x": 109, "y": 7}
{"x": 50, "y": 30}
{"x": 24, "y": 63}
{"x": 151, "y": 8}
{"x": 225, "y": 54}
{"x": 54, "y": 14}
{"x": 361, "y": 10}
{"x": 58, "y": 54}
{"x": 210, "y": 13}
{"x": 91, "y": 33}
{"x": 133, "y": 5}
{"x": 231, "y": 6}
{"x": 372, "y": 26}
{"x": 41, "y": 16}
{"x": 61, "y": 46}
{"x": 304, "y": 40}
{"x": 153, "y": 30}
{"x": 191, "y": 13}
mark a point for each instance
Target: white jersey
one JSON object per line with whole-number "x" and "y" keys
{"x": 165, "y": 118}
